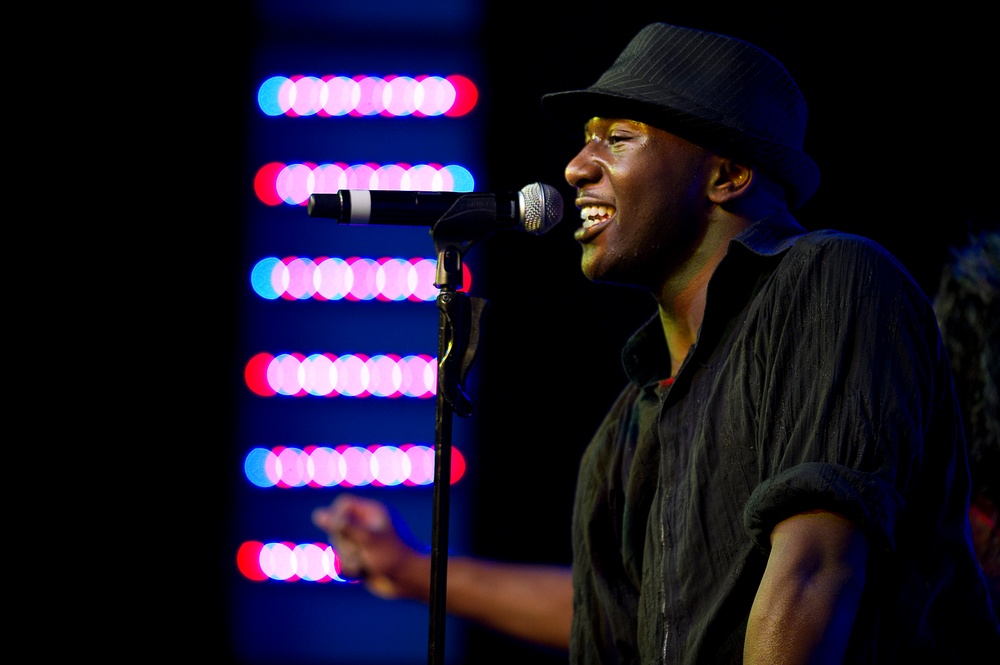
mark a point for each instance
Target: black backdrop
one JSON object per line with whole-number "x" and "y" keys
{"x": 900, "y": 124}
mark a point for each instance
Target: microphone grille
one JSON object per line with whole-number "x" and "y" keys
{"x": 543, "y": 208}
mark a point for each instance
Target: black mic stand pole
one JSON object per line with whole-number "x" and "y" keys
{"x": 460, "y": 318}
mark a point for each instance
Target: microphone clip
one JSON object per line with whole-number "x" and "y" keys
{"x": 470, "y": 219}
{"x": 461, "y": 320}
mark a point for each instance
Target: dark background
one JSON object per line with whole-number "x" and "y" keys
{"x": 901, "y": 125}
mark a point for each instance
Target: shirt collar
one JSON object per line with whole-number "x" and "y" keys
{"x": 645, "y": 356}
{"x": 770, "y": 235}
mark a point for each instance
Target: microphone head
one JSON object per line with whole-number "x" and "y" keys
{"x": 541, "y": 209}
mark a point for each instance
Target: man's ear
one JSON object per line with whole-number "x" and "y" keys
{"x": 732, "y": 181}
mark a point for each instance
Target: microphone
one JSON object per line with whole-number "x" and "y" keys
{"x": 536, "y": 208}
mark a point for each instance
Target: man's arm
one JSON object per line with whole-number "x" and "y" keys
{"x": 529, "y": 602}
{"x": 809, "y": 595}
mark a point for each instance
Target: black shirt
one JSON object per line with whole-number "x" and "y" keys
{"x": 818, "y": 380}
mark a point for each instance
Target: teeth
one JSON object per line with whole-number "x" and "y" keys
{"x": 592, "y": 215}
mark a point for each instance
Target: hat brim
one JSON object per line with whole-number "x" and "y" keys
{"x": 790, "y": 167}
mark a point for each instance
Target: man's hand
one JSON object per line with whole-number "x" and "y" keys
{"x": 371, "y": 549}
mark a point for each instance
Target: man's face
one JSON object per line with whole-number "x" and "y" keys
{"x": 642, "y": 195}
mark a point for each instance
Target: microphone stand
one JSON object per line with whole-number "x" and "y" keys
{"x": 459, "y": 323}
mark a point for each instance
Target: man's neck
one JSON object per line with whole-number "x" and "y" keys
{"x": 682, "y": 297}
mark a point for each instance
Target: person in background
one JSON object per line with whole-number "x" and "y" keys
{"x": 784, "y": 477}
{"x": 967, "y": 304}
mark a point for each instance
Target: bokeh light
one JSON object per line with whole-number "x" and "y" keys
{"x": 278, "y": 183}
{"x": 353, "y": 278}
{"x": 364, "y": 95}
{"x": 347, "y": 375}
{"x": 288, "y": 562}
{"x": 379, "y": 465}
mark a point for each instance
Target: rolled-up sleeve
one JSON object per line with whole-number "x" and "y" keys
{"x": 864, "y": 498}
{"x": 853, "y": 374}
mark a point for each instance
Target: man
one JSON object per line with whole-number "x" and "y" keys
{"x": 784, "y": 478}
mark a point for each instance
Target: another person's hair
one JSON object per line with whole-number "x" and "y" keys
{"x": 967, "y": 304}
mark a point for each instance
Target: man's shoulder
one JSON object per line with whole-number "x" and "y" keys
{"x": 839, "y": 249}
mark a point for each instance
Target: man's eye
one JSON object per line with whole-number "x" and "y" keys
{"x": 610, "y": 139}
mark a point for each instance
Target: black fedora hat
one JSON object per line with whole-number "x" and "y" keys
{"x": 717, "y": 91}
